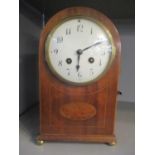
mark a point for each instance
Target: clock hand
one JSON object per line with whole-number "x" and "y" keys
{"x": 97, "y": 43}
{"x": 78, "y": 66}
{"x": 79, "y": 52}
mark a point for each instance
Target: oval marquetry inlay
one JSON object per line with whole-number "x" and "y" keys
{"x": 78, "y": 111}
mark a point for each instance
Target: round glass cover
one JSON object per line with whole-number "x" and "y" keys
{"x": 79, "y": 50}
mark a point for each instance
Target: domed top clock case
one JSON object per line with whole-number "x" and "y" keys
{"x": 79, "y": 58}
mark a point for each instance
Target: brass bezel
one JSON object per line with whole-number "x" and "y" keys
{"x": 47, "y": 57}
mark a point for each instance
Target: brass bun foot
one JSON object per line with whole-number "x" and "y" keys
{"x": 40, "y": 142}
{"x": 113, "y": 143}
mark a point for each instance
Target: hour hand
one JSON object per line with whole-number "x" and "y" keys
{"x": 78, "y": 66}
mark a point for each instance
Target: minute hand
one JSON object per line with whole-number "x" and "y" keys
{"x": 91, "y": 46}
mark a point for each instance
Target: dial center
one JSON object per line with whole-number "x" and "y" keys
{"x": 79, "y": 52}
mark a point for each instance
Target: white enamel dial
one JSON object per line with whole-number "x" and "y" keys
{"x": 78, "y": 50}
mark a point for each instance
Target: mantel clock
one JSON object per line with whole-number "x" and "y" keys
{"x": 79, "y": 59}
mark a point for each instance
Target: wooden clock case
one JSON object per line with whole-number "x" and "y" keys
{"x": 97, "y": 123}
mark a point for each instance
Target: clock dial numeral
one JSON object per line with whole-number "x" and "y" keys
{"x": 68, "y": 71}
{"x": 80, "y": 28}
{"x": 79, "y": 20}
{"x": 91, "y": 31}
{"x": 59, "y": 39}
{"x": 91, "y": 71}
{"x": 79, "y": 75}
{"x": 100, "y": 63}
{"x": 60, "y": 63}
{"x": 109, "y": 48}
{"x": 68, "y": 31}
{"x": 55, "y": 51}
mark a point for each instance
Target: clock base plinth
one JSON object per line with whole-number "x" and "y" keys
{"x": 107, "y": 139}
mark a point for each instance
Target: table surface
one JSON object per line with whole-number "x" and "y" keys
{"x": 125, "y": 133}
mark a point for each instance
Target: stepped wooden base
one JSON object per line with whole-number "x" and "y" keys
{"x": 107, "y": 139}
